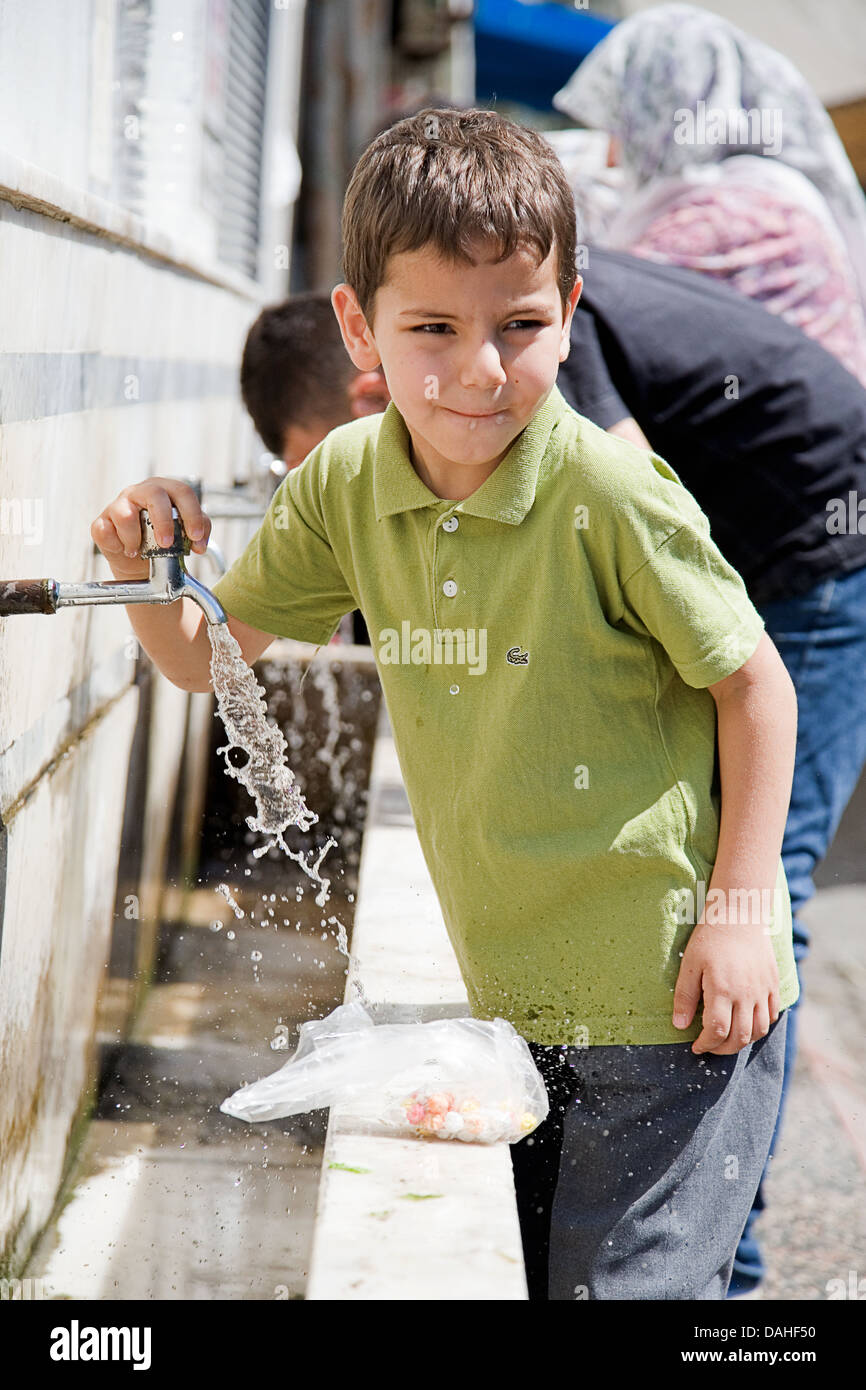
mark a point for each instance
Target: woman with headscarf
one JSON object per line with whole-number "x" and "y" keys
{"x": 733, "y": 168}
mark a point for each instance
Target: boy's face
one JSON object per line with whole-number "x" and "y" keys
{"x": 469, "y": 352}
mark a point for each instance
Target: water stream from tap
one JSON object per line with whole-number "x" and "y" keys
{"x": 266, "y": 775}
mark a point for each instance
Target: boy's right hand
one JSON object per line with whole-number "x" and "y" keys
{"x": 117, "y": 529}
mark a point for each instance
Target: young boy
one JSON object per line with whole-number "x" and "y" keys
{"x": 558, "y": 640}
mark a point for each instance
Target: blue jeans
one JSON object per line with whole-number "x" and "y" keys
{"x": 644, "y": 1207}
{"x": 821, "y": 637}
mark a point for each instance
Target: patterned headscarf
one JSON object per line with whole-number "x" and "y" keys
{"x": 662, "y": 62}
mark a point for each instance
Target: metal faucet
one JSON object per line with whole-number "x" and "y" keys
{"x": 247, "y": 500}
{"x": 168, "y": 582}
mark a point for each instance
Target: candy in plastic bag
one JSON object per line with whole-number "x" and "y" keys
{"x": 455, "y": 1078}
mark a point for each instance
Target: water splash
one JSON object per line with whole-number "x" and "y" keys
{"x": 227, "y": 894}
{"x": 325, "y": 682}
{"x": 342, "y": 939}
{"x": 266, "y": 775}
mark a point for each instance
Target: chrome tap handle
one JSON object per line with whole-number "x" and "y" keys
{"x": 150, "y": 547}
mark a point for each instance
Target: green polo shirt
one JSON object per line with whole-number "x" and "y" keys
{"x": 557, "y": 741}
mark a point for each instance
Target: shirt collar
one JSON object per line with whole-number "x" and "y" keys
{"x": 506, "y": 495}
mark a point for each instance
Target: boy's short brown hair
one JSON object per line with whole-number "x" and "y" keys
{"x": 295, "y": 369}
{"x": 445, "y": 177}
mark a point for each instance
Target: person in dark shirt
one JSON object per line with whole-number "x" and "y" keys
{"x": 768, "y": 432}
{"x": 762, "y": 426}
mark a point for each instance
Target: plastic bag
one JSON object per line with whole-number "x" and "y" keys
{"x": 455, "y": 1078}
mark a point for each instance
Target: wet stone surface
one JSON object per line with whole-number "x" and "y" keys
{"x": 170, "y": 1198}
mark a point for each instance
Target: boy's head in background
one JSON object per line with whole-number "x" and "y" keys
{"x": 297, "y": 380}
{"x": 459, "y": 250}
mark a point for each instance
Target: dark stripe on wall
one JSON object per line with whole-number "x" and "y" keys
{"x": 34, "y": 385}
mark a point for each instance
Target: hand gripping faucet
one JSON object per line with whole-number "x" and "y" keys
{"x": 168, "y": 582}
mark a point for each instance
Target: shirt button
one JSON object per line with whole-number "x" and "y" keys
{"x": 449, "y": 588}
{"x": 451, "y": 524}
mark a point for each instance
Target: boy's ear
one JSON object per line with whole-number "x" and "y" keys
{"x": 565, "y": 341}
{"x": 357, "y": 335}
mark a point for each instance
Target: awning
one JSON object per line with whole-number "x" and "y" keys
{"x": 526, "y": 52}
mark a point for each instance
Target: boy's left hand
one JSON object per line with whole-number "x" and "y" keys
{"x": 734, "y": 967}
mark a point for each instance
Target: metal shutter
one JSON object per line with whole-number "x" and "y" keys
{"x": 243, "y": 134}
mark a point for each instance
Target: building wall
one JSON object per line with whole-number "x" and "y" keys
{"x": 120, "y": 341}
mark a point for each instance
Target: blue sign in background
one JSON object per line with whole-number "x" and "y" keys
{"x": 525, "y": 53}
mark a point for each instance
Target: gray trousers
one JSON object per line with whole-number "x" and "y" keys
{"x": 662, "y": 1153}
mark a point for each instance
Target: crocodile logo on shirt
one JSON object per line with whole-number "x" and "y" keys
{"x": 515, "y": 657}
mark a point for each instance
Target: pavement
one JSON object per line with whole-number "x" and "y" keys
{"x": 813, "y": 1231}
